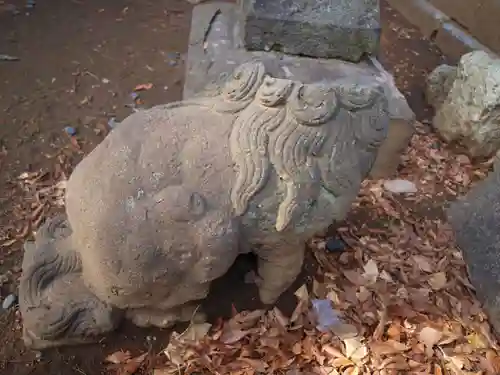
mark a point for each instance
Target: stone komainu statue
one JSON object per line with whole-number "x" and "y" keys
{"x": 168, "y": 200}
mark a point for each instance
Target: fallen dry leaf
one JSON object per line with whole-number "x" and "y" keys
{"x": 118, "y": 357}
{"x": 423, "y": 263}
{"x": 370, "y": 272}
{"x": 438, "y": 280}
{"x": 477, "y": 340}
{"x": 388, "y": 347}
{"x": 429, "y": 337}
{"x": 355, "y": 349}
{"x": 165, "y": 371}
{"x": 302, "y": 294}
{"x": 175, "y": 351}
{"x": 143, "y": 87}
{"x": 196, "y": 332}
{"x": 132, "y": 365}
{"x": 231, "y": 336}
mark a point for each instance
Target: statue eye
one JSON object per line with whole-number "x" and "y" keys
{"x": 196, "y": 204}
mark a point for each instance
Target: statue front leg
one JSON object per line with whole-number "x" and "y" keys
{"x": 278, "y": 268}
{"x": 149, "y": 317}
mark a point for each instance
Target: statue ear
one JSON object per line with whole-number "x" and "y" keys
{"x": 179, "y": 204}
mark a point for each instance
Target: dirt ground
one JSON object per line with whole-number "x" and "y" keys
{"x": 79, "y": 61}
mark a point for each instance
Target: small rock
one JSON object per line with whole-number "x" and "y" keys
{"x": 400, "y": 186}
{"x": 8, "y": 58}
{"x": 335, "y": 245}
{"x": 9, "y": 301}
{"x": 112, "y": 122}
{"x": 70, "y": 130}
{"x": 173, "y": 58}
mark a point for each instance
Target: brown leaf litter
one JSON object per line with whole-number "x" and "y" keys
{"x": 43, "y": 193}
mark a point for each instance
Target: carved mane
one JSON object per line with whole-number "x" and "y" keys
{"x": 314, "y": 136}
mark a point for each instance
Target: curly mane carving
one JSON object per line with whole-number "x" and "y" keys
{"x": 314, "y": 136}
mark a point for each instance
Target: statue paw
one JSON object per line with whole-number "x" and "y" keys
{"x": 56, "y": 306}
{"x": 68, "y": 314}
{"x": 150, "y": 317}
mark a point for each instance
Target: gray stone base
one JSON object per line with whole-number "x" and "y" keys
{"x": 345, "y": 29}
{"x": 216, "y": 48}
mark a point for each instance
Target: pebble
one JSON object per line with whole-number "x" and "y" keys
{"x": 335, "y": 245}
{"x": 173, "y": 58}
{"x": 9, "y": 301}
{"x": 400, "y": 186}
{"x": 70, "y": 130}
{"x": 112, "y": 122}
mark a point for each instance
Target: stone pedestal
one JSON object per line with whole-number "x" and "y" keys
{"x": 344, "y": 29}
{"x": 216, "y": 46}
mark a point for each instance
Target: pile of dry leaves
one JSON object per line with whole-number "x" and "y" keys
{"x": 43, "y": 194}
{"x": 399, "y": 298}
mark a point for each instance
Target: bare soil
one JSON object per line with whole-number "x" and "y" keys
{"x": 79, "y": 61}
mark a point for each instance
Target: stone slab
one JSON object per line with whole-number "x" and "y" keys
{"x": 216, "y": 47}
{"x": 474, "y": 219}
{"x": 344, "y": 29}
